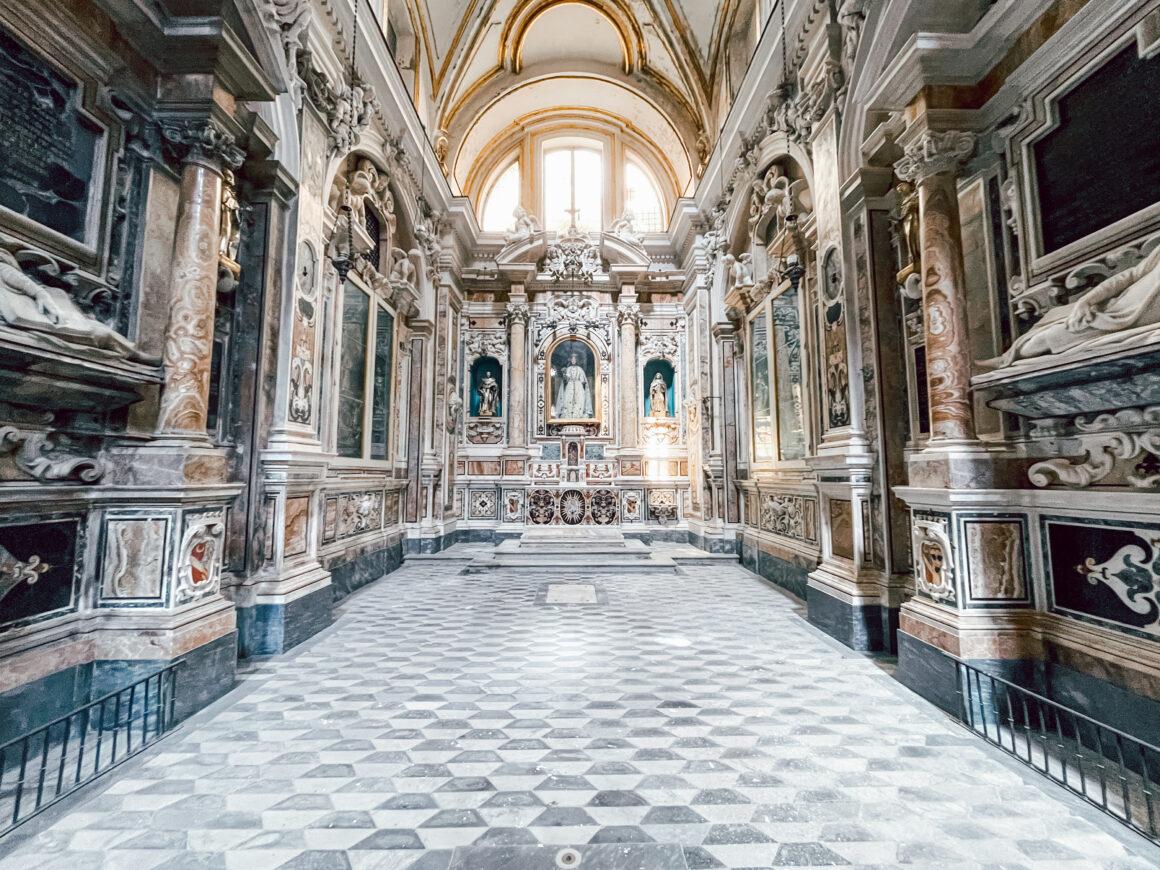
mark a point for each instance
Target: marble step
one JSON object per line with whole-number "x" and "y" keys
{"x": 573, "y": 563}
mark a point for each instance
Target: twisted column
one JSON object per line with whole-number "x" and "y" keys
{"x": 931, "y": 163}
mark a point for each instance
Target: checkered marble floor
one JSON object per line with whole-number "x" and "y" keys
{"x": 483, "y": 722}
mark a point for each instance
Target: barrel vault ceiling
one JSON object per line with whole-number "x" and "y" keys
{"x": 666, "y": 68}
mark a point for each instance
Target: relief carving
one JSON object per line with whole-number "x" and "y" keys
{"x": 1120, "y": 310}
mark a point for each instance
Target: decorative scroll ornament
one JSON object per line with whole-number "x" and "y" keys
{"x": 1102, "y": 453}
{"x": 202, "y": 141}
{"x": 662, "y": 504}
{"x": 484, "y": 432}
{"x": 659, "y": 346}
{"x": 573, "y": 257}
{"x": 934, "y": 152}
{"x": 41, "y": 456}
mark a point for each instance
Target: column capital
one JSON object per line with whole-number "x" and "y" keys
{"x": 204, "y": 141}
{"x": 934, "y": 151}
{"x": 518, "y": 312}
{"x": 628, "y": 313}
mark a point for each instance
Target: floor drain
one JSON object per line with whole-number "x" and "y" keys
{"x": 567, "y": 858}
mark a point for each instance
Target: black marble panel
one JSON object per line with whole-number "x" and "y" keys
{"x": 1107, "y": 572}
{"x": 927, "y": 671}
{"x": 354, "y": 573}
{"x": 47, "y": 147}
{"x": 41, "y": 701}
{"x": 859, "y": 628}
{"x": 269, "y": 629}
{"x": 37, "y": 569}
{"x": 1083, "y": 188}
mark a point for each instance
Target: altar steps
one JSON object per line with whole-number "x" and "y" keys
{"x": 573, "y": 551}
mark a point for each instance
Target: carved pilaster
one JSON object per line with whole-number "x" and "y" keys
{"x": 930, "y": 162}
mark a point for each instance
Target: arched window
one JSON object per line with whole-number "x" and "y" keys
{"x": 574, "y": 186}
{"x": 642, "y": 198}
{"x": 501, "y": 200}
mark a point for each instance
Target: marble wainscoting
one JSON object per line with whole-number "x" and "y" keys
{"x": 928, "y": 672}
{"x": 355, "y": 567}
{"x": 273, "y": 628}
{"x": 777, "y": 563}
{"x": 860, "y": 625}
{"x": 207, "y": 672}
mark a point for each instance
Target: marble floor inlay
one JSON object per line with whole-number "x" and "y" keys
{"x": 691, "y": 720}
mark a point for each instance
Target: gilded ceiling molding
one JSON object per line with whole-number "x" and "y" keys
{"x": 617, "y": 12}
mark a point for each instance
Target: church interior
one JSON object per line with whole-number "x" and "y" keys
{"x": 617, "y": 434}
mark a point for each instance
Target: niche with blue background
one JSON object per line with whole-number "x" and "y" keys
{"x": 482, "y": 367}
{"x": 666, "y": 369}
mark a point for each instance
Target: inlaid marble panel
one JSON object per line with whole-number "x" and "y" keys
{"x": 37, "y": 576}
{"x": 1107, "y": 572}
{"x": 135, "y": 553}
{"x": 841, "y": 528}
{"x": 295, "y": 525}
{"x": 995, "y": 561}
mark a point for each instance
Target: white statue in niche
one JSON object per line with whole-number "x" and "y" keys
{"x": 488, "y": 395}
{"x": 658, "y": 397}
{"x": 49, "y": 311}
{"x": 1113, "y": 310}
{"x": 574, "y": 399}
{"x": 526, "y": 226}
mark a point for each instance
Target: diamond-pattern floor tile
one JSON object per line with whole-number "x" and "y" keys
{"x": 683, "y": 722}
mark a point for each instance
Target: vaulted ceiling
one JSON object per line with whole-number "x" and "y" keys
{"x": 666, "y": 69}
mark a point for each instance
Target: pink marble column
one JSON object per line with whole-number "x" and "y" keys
{"x": 518, "y": 315}
{"x": 628, "y": 315}
{"x": 931, "y": 163}
{"x": 193, "y": 291}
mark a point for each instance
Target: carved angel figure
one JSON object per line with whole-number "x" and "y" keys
{"x": 769, "y": 196}
{"x": 741, "y": 270}
{"x": 402, "y": 268}
{"x": 1117, "y": 307}
{"x": 526, "y": 226}
{"x": 851, "y": 17}
{"x": 623, "y": 227}
{"x": 26, "y": 304}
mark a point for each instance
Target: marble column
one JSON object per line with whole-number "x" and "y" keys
{"x": 931, "y": 162}
{"x": 206, "y": 151}
{"x": 628, "y": 315}
{"x": 518, "y": 315}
